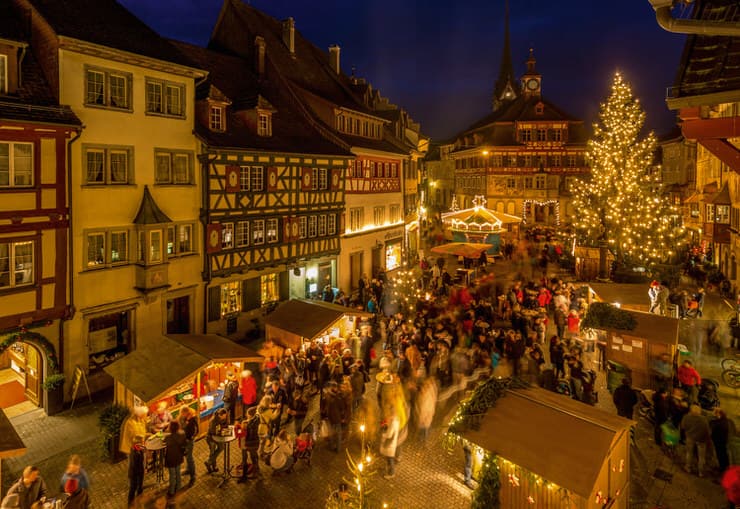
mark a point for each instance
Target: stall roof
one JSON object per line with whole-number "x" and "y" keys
{"x": 309, "y": 318}
{"x": 11, "y": 444}
{"x": 545, "y": 433}
{"x": 143, "y": 371}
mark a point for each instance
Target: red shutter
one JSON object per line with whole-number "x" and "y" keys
{"x": 232, "y": 179}
{"x": 306, "y": 175}
{"x": 336, "y": 179}
{"x": 213, "y": 238}
{"x": 272, "y": 178}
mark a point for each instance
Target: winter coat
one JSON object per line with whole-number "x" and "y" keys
{"x": 27, "y": 495}
{"x": 249, "y": 391}
{"x": 389, "y": 438}
{"x": 625, "y": 399}
{"x": 136, "y": 462}
{"x": 174, "y": 455}
{"x": 132, "y": 427}
{"x": 80, "y": 499}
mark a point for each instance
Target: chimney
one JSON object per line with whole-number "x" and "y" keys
{"x": 289, "y": 34}
{"x": 259, "y": 55}
{"x": 334, "y": 58}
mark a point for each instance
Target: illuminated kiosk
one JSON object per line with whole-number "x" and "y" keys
{"x": 554, "y": 452}
{"x": 480, "y": 225}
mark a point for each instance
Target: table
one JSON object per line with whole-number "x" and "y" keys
{"x": 226, "y": 440}
{"x": 157, "y": 447}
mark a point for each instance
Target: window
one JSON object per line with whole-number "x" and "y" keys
{"x": 331, "y": 227}
{"x": 511, "y": 183}
{"x": 556, "y": 134}
{"x": 394, "y": 211}
{"x": 572, "y": 161}
{"x": 230, "y": 301}
{"x": 95, "y": 250}
{"x": 539, "y": 182}
{"x": 3, "y": 74}
{"x": 108, "y": 337}
{"x": 525, "y": 135}
{"x": 164, "y": 98}
{"x": 258, "y": 232}
{"x": 216, "y": 118}
{"x": 323, "y": 180}
{"x": 257, "y": 178}
{"x": 119, "y": 247}
{"x": 107, "y": 165}
{"x": 722, "y": 214}
{"x": 314, "y": 179}
{"x": 356, "y": 219}
{"x": 541, "y": 135}
{"x": 528, "y": 161}
{"x": 16, "y": 264}
{"x": 107, "y": 248}
{"x": 527, "y": 182}
{"x": 16, "y": 164}
{"x": 311, "y": 226}
{"x": 302, "y": 227}
{"x": 172, "y": 167}
{"x": 340, "y": 123}
{"x": 272, "y": 231}
{"x": 322, "y": 225}
{"x": 264, "y": 124}
{"x": 556, "y": 161}
{"x": 227, "y": 235}
{"x": 106, "y": 88}
{"x": 709, "y": 217}
{"x": 180, "y": 239}
{"x": 378, "y": 216}
{"x": 155, "y": 246}
{"x": 242, "y": 233}
{"x": 269, "y": 289}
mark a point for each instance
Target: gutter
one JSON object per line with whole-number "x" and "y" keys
{"x": 691, "y": 26}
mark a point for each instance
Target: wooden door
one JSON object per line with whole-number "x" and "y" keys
{"x": 355, "y": 270}
{"x": 178, "y": 315}
{"x": 33, "y": 373}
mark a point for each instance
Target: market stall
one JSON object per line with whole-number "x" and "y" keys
{"x": 300, "y": 320}
{"x": 180, "y": 370}
{"x": 11, "y": 444}
{"x": 634, "y": 342}
{"x": 479, "y": 224}
{"x": 554, "y": 452}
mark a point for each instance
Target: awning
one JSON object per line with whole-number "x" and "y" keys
{"x": 309, "y": 318}
{"x": 11, "y": 444}
{"x": 154, "y": 368}
{"x": 557, "y": 438}
{"x": 465, "y": 249}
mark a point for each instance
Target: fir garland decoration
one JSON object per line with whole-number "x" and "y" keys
{"x": 488, "y": 493}
{"x": 35, "y": 339}
{"x": 605, "y": 316}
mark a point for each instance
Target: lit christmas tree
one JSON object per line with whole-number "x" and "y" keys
{"x": 622, "y": 204}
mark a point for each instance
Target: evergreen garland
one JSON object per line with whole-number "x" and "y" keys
{"x": 488, "y": 493}
{"x": 605, "y": 316}
{"x": 35, "y": 339}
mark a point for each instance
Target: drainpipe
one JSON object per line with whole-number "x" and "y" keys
{"x": 691, "y": 26}
{"x": 70, "y": 250}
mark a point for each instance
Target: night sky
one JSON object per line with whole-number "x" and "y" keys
{"x": 439, "y": 59}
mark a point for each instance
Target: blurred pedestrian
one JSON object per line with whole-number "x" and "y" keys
{"x": 690, "y": 380}
{"x": 625, "y": 399}
{"x": 189, "y": 426}
{"x": 174, "y": 457}
{"x": 136, "y": 468}
{"x": 74, "y": 470}
{"x": 696, "y": 428}
{"x": 30, "y": 488}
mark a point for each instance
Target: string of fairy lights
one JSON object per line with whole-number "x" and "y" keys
{"x": 622, "y": 203}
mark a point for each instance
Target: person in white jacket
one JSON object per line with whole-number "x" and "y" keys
{"x": 389, "y": 441}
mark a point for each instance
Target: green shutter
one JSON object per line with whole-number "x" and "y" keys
{"x": 214, "y": 303}
{"x": 251, "y": 294}
{"x": 284, "y": 282}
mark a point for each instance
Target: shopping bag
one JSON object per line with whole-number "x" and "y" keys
{"x": 671, "y": 434}
{"x": 324, "y": 429}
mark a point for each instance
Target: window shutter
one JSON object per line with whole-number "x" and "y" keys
{"x": 272, "y": 178}
{"x": 251, "y": 294}
{"x": 336, "y": 179}
{"x": 306, "y": 179}
{"x": 284, "y": 282}
{"x": 214, "y": 303}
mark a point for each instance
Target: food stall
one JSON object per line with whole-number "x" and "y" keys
{"x": 554, "y": 452}
{"x": 634, "y": 343}
{"x": 300, "y": 320}
{"x": 180, "y": 370}
{"x": 11, "y": 444}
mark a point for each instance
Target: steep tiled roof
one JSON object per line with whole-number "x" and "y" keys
{"x": 710, "y": 63}
{"x": 233, "y": 79}
{"x": 106, "y": 23}
{"x": 33, "y": 101}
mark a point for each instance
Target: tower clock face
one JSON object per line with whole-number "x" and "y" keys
{"x": 532, "y": 84}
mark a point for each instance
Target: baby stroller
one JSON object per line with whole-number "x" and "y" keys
{"x": 303, "y": 448}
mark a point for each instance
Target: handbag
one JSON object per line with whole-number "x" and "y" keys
{"x": 324, "y": 429}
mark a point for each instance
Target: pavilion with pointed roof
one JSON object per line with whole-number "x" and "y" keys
{"x": 480, "y": 224}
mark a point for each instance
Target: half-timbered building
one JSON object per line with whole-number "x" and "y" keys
{"x": 273, "y": 191}
{"x": 372, "y": 225}
{"x": 35, "y": 133}
{"x": 134, "y": 188}
{"x": 525, "y": 155}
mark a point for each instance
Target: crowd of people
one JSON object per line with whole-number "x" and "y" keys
{"x": 31, "y": 492}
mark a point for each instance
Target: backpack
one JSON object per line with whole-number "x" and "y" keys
{"x": 251, "y": 432}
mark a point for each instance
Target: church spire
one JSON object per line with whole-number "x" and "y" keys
{"x": 505, "y": 89}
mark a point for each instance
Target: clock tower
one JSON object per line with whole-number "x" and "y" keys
{"x": 531, "y": 80}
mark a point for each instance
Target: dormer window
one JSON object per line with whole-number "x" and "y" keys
{"x": 3, "y": 74}
{"x": 264, "y": 124}
{"x": 216, "y": 118}
{"x": 539, "y": 109}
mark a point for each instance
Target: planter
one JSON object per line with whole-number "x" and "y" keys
{"x": 114, "y": 454}
{"x": 54, "y": 400}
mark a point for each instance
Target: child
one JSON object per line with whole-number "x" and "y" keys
{"x": 136, "y": 468}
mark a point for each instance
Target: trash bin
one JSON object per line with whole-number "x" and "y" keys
{"x": 614, "y": 374}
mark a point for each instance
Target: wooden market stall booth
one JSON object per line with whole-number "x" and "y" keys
{"x": 301, "y": 320}
{"x": 554, "y": 452}
{"x": 634, "y": 340}
{"x": 479, "y": 224}
{"x": 11, "y": 444}
{"x": 180, "y": 370}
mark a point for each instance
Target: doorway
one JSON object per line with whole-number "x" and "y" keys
{"x": 178, "y": 315}
{"x": 355, "y": 270}
{"x": 20, "y": 378}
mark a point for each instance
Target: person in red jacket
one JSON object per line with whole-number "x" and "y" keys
{"x": 248, "y": 391}
{"x": 690, "y": 380}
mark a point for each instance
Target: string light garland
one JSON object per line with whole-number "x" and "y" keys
{"x": 622, "y": 203}
{"x": 542, "y": 204}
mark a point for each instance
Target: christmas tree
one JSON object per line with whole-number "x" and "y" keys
{"x": 622, "y": 205}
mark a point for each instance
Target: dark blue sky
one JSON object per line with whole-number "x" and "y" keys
{"x": 438, "y": 59}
